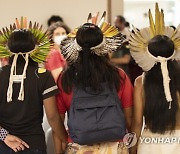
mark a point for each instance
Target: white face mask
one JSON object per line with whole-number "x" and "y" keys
{"x": 58, "y": 39}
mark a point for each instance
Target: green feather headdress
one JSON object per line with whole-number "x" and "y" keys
{"x": 43, "y": 45}
{"x": 38, "y": 54}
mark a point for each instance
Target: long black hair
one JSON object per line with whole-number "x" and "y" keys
{"x": 21, "y": 41}
{"x": 158, "y": 117}
{"x": 90, "y": 70}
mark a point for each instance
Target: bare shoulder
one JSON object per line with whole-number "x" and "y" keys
{"x": 138, "y": 82}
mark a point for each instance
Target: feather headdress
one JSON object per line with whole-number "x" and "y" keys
{"x": 41, "y": 50}
{"x": 38, "y": 54}
{"x": 111, "y": 41}
{"x": 139, "y": 46}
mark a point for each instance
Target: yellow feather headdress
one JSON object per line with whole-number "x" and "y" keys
{"x": 139, "y": 47}
{"x": 112, "y": 40}
{"x": 139, "y": 38}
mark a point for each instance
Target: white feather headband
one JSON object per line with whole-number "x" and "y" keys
{"x": 139, "y": 47}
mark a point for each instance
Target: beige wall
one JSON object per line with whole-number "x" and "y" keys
{"x": 74, "y": 12}
{"x": 117, "y": 8}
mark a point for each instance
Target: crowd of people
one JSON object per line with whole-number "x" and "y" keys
{"x": 118, "y": 87}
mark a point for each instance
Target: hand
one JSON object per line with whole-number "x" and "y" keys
{"x": 15, "y": 143}
{"x": 133, "y": 151}
{"x": 64, "y": 146}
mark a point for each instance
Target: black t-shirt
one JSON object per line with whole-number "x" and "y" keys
{"x": 24, "y": 118}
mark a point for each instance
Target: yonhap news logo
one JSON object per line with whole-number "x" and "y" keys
{"x": 159, "y": 140}
{"x": 130, "y": 140}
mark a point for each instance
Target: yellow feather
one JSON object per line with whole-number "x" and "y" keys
{"x": 22, "y": 26}
{"x": 105, "y": 26}
{"x": 135, "y": 38}
{"x": 145, "y": 32}
{"x": 25, "y": 22}
{"x": 151, "y": 23}
{"x": 111, "y": 31}
{"x": 41, "y": 70}
{"x": 17, "y": 23}
{"x": 175, "y": 32}
{"x": 162, "y": 24}
{"x": 136, "y": 49}
{"x": 177, "y": 43}
{"x": 73, "y": 33}
{"x": 157, "y": 20}
{"x": 139, "y": 35}
{"x": 139, "y": 45}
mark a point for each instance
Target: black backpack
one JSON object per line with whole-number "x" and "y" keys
{"x": 96, "y": 117}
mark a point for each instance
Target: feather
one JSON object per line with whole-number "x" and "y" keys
{"x": 17, "y": 23}
{"x": 89, "y": 18}
{"x": 102, "y": 20}
{"x": 14, "y": 26}
{"x": 11, "y": 28}
{"x": 151, "y": 23}
{"x": 22, "y": 22}
{"x": 145, "y": 33}
{"x": 95, "y": 18}
{"x": 30, "y": 25}
{"x": 40, "y": 28}
{"x": 25, "y": 22}
{"x": 139, "y": 35}
{"x": 157, "y": 20}
{"x": 162, "y": 24}
{"x": 43, "y": 45}
{"x": 143, "y": 60}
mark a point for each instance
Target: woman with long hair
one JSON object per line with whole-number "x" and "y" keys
{"x": 89, "y": 69}
{"x": 55, "y": 61}
{"x": 157, "y": 91}
{"x": 25, "y": 90}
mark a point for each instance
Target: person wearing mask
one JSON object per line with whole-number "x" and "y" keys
{"x": 157, "y": 91}
{"x": 25, "y": 89}
{"x": 55, "y": 62}
{"x": 86, "y": 87}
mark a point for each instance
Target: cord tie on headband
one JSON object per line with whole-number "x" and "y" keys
{"x": 17, "y": 78}
{"x": 166, "y": 79}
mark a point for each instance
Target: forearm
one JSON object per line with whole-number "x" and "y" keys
{"x": 3, "y": 133}
{"x": 128, "y": 117}
{"x": 57, "y": 144}
{"x": 122, "y": 60}
{"x": 58, "y": 128}
{"x": 136, "y": 128}
{"x": 128, "y": 124}
{"x": 54, "y": 119}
